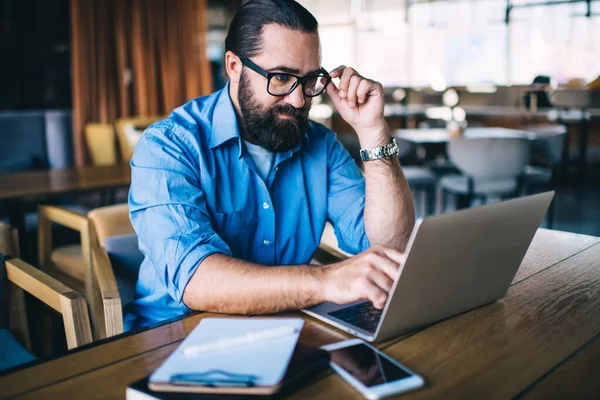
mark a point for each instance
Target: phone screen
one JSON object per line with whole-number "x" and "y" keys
{"x": 366, "y": 365}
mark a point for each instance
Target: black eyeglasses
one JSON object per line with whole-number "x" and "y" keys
{"x": 282, "y": 83}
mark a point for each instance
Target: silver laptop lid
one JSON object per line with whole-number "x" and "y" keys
{"x": 461, "y": 260}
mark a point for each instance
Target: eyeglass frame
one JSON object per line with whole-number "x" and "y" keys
{"x": 299, "y": 79}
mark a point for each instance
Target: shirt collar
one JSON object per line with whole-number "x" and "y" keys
{"x": 225, "y": 125}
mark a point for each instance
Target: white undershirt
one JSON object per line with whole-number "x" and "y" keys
{"x": 263, "y": 159}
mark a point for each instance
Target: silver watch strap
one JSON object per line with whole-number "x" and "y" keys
{"x": 376, "y": 153}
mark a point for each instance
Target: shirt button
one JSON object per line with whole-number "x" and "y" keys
{"x": 265, "y": 205}
{"x": 266, "y": 242}
{"x": 277, "y": 168}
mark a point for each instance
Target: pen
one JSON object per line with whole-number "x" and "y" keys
{"x": 250, "y": 337}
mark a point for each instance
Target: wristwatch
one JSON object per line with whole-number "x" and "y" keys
{"x": 376, "y": 153}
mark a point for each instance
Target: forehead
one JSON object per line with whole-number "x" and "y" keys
{"x": 285, "y": 47}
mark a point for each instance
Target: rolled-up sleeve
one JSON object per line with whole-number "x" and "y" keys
{"x": 168, "y": 207}
{"x": 346, "y": 199}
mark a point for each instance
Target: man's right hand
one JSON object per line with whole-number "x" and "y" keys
{"x": 368, "y": 275}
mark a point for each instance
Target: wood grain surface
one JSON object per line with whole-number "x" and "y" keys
{"x": 575, "y": 378}
{"x": 522, "y": 344}
{"x": 496, "y": 351}
{"x": 57, "y": 181}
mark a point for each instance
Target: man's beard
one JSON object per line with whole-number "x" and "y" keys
{"x": 265, "y": 127}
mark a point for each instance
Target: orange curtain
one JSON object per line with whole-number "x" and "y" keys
{"x": 135, "y": 58}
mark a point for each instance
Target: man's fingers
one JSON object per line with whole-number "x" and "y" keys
{"x": 347, "y": 74}
{"x": 352, "y": 88}
{"x": 375, "y": 294}
{"x": 337, "y": 72}
{"x": 334, "y": 94}
{"x": 395, "y": 255}
{"x": 363, "y": 90}
{"x": 385, "y": 264}
{"x": 381, "y": 279}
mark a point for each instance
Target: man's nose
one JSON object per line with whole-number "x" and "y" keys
{"x": 296, "y": 98}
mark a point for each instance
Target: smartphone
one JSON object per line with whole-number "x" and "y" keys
{"x": 368, "y": 370}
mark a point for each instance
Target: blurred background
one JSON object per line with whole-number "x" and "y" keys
{"x": 488, "y": 100}
{"x": 80, "y": 80}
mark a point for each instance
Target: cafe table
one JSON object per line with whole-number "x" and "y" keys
{"x": 440, "y": 135}
{"x": 541, "y": 340}
{"x": 47, "y": 185}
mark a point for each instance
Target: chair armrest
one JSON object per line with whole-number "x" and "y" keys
{"x": 108, "y": 292}
{"x": 334, "y": 252}
{"x": 61, "y": 298}
{"x": 62, "y": 215}
{"x": 59, "y": 215}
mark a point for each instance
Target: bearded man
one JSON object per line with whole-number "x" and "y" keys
{"x": 231, "y": 193}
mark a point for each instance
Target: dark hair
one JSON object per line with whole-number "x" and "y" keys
{"x": 245, "y": 31}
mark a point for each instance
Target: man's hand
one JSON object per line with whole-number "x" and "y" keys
{"x": 368, "y": 275}
{"x": 360, "y": 103}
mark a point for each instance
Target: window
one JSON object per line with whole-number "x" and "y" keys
{"x": 459, "y": 42}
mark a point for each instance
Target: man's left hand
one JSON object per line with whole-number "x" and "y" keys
{"x": 360, "y": 103}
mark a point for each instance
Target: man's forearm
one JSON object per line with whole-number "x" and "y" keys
{"x": 227, "y": 285}
{"x": 389, "y": 209}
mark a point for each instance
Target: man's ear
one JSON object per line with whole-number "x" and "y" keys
{"x": 233, "y": 66}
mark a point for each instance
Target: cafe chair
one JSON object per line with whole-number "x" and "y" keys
{"x": 129, "y": 131}
{"x": 17, "y": 277}
{"x": 547, "y": 154}
{"x": 101, "y": 143}
{"x": 489, "y": 167}
{"x": 116, "y": 259}
{"x": 72, "y": 264}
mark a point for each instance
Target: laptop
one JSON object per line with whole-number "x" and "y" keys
{"x": 455, "y": 262}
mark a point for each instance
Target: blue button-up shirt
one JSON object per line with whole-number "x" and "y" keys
{"x": 195, "y": 191}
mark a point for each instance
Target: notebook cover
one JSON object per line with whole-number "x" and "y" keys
{"x": 266, "y": 361}
{"x": 307, "y": 362}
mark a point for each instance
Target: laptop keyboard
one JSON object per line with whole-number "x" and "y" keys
{"x": 363, "y": 315}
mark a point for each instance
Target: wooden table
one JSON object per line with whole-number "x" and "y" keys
{"x": 540, "y": 340}
{"x": 47, "y": 185}
{"x": 40, "y": 184}
{"x": 440, "y": 135}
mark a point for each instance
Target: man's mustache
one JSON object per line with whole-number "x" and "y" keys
{"x": 292, "y": 111}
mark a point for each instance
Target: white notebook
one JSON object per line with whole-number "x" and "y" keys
{"x": 250, "y": 363}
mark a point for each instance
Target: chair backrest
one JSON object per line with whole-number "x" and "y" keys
{"x": 110, "y": 221}
{"x": 100, "y": 140}
{"x": 114, "y": 233}
{"x": 127, "y": 138}
{"x": 551, "y": 142}
{"x": 489, "y": 158}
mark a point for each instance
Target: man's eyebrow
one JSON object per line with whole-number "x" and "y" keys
{"x": 289, "y": 70}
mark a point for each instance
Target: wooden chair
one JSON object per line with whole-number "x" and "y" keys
{"x": 129, "y": 130}
{"x": 115, "y": 260}
{"x": 73, "y": 264}
{"x": 101, "y": 144}
{"x": 17, "y": 276}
